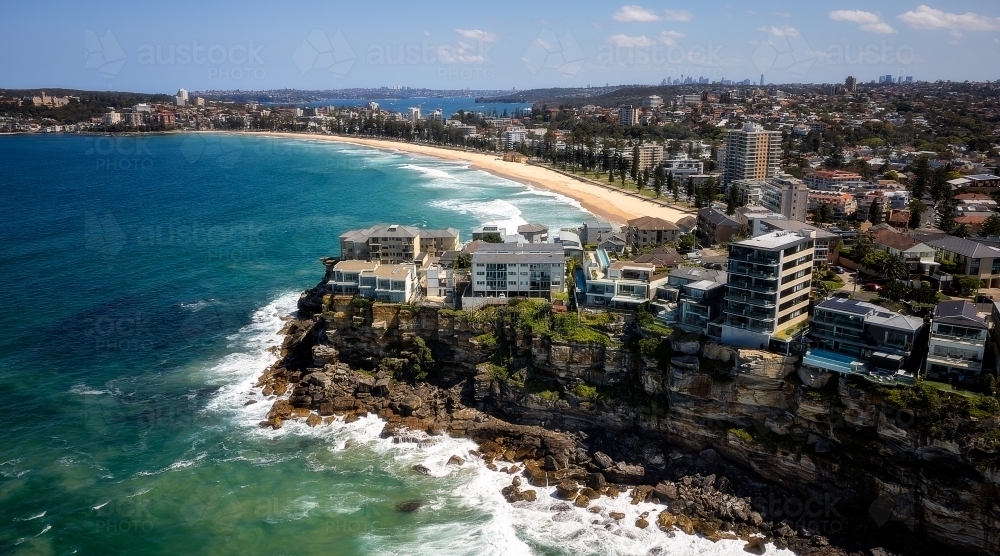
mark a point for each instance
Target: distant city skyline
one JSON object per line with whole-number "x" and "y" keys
{"x": 313, "y": 45}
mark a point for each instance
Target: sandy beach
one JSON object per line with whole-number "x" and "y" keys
{"x": 610, "y": 204}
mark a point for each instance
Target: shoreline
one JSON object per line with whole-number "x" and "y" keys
{"x": 617, "y": 206}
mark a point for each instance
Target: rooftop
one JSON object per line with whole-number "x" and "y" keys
{"x": 773, "y": 240}
{"x": 355, "y": 265}
{"x": 965, "y": 247}
{"x": 795, "y": 225}
{"x": 532, "y": 228}
{"x": 651, "y": 223}
{"x": 960, "y": 312}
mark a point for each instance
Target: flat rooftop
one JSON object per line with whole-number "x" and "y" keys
{"x": 773, "y": 240}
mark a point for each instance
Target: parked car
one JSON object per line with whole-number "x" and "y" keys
{"x": 842, "y": 293}
{"x": 872, "y": 287}
{"x": 839, "y": 269}
{"x": 984, "y": 298}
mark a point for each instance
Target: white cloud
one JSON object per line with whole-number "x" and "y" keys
{"x": 678, "y": 15}
{"x": 635, "y": 13}
{"x": 670, "y": 38}
{"x": 783, "y": 14}
{"x": 626, "y": 41}
{"x": 477, "y": 35}
{"x": 783, "y": 31}
{"x": 926, "y": 17}
{"x": 867, "y": 21}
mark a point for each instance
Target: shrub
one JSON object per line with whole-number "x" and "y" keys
{"x": 649, "y": 346}
{"x": 549, "y": 395}
{"x": 983, "y": 406}
{"x": 585, "y": 391}
{"x": 742, "y": 434}
{"x": 488, "y": 339}
{"x": 362, "y": 303}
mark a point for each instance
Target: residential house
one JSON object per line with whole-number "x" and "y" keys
{"x": 488, "y": 230}
{"x": 534, "y": 233}
{"x": 919, "y": 257}
{"x": 593, "y": 231}
{"x": 854, "y": 337}
{"x": 624, "y": 285}
{"x": 614, "y": 243}
{"x": 699, "y": 295}
{"x": 395, "y": 283}
{"x": 957, "y": 342}
{"x": 842, "y": 205}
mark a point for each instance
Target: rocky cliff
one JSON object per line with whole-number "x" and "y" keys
{"x": 733, "y": 442}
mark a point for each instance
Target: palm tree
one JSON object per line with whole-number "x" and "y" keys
{"x": 895, "y": 269}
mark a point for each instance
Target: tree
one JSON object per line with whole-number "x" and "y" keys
{"x": 922, "y": 177}
{"x": 689, "y": 188}
{"x": 917, "y": 210}
{"x": 962, "y": 230}
{"x": 836, "y": 158}
{"x": 991, "y": 227}
{"x": 946, "y": 216}
{"x": 732, "y": 200}
{"x": 823, "y": 214}
{"x": 634, "y": 171}
{"x": 492, "y": 237}
{"x": 611, "y": 175}
{"x": 673, "y": 186}
{"x": 875, "y": 213}
{"x": 863, "y": 246}
{"x": 658, "y": 181}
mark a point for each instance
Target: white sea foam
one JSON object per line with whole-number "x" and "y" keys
{"x": 497, "y": 211}
{"x": 36, "y": 516}
{"x": 83, "y": 390}
{"x": 44, "y": 530}
{"x": 99, "y": 506}
{"x": 435, "y": 173}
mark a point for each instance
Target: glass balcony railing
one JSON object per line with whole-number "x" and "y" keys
{"x": 745, "y": 311}
{"x": 747, "y": 270}
{"x": 750, "y": 286}
{"x": 758, "y": 302}
{"x": 753, "y": 258}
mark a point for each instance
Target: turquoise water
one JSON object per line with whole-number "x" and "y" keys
{"x": 144, "y": 282}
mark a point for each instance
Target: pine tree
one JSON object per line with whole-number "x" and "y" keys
{"x": 634, "y": 171}
{"x": 875, "y": 214}
{"x": 732, "y": 200}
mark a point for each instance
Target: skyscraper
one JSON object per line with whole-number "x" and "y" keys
{"x": 750, "y": 153}
{"x": 628, "y": 115}
{"x": 851, "y": 83}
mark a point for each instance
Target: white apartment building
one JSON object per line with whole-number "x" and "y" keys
{"x": 395, "y": 283}
{"x": 112, "y": 118}
{"x": 513, "y": 137}
{"x": 505, "y": 270}
{"x": 769, "y": 283}
{"x": 628, "y": 115}
{"x": 396, "y": 244}
{"x": 625, "y": 285}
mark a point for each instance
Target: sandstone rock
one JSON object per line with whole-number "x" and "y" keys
{"x": 590, "y": 493}
{"x": 617, "y": 516}
{"x": 365, "y": 383}
{"x": 603, "y": 460}
{"x": 567, "y": 489}
{"x": 410, "y": 404}
{"x": 755, "y": 545}
{"x": 300, "y": 412}
{"x": 626, "y": 473}
{"x": 276, "y": 422}
{"x": 595, "y": 509}
{"x": 382, "y": 387}
{"x": 641, "y": 523}
{"x": 595, "y": 481}
{"x": 665, "y": 521}
{"x": 641, "y": 493}
{"x": 455, "y": 460}
{"x": 665, "y": 491}
{"x": 423, "y": 470}
{"x": 529, "y": 495}
{"x": 581, "y": 501}
{"x": 409, "y": 506}
{"x": 516, "y": 481}
{"x": 685, "y": 524}
{"x": 612, "y": 492}
{"x": 687, "y": 344}
{"x": 313, "y": 420}
{"x": 814, "y": 379}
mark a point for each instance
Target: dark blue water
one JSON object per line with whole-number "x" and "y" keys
{"x": 143, "y": 284}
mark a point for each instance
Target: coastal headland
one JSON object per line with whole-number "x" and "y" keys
{"x": 606, "y": 202}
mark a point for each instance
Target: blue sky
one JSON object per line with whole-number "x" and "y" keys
{"x": 159, "y": 47}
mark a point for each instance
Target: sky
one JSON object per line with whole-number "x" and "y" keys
{"x": 158, "y": 47}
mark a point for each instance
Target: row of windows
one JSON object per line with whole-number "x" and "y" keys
{"x": 793, "y": 302}
{"x": 795, "y": 276}
{"x": 801, "y": 260}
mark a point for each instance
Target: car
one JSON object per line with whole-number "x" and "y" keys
{"x": 842, "y": 293}
{"x": 872, "y": 287}
{"x": 984, "y": 298}
{"x": 839, "y": 269}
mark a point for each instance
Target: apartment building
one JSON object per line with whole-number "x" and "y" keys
{"x": 750, "y": 153}
{"x": 786, "y": 195}
{"x": 834, "y": 180}
{"x": 647, "y": 231}
{"x": 842, "y": 205}
{"x": 827, "y": 244}
{"x": 854, "y": 337}
{"x": 396, "y": 244}
{"x": 683, "y": 167}
{"x": 715, "y": 226}
{"x": 957, "y": 342}
{"x": 768, "y": 287}
{"x": 628, "y": 115}
{"x": 505, "y": 270}
{"x": 383, "y": 282}
{"x": 699, "y": 294}
{"x": 593, "y": 232}
{"x": 513, "y": 137}
{"x": 970, "y": 258}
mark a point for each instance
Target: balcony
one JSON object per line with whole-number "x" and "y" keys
{"x": 957, "y": 362}
{"x": 966, "y": 340}
{"x": 750, "y": 327}
{"x": 750, "y": 313}
{"x": 755, "y": 259}
{"x": 750, "y": 286}
{"x": 751, "y": 300}
{"x": 748, "y": 271}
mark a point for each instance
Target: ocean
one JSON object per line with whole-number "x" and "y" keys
{"x": 144, "y": 282}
